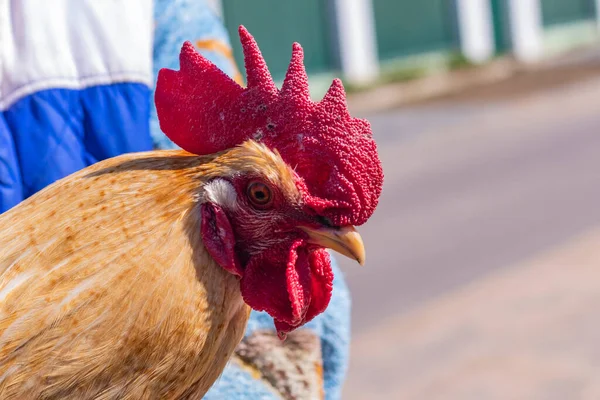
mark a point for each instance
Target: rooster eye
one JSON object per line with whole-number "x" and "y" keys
{"x": 260, "y": 194}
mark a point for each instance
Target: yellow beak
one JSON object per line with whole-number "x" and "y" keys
{"x": 344, "y": 240}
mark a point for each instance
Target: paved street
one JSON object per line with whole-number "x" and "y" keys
{"x": 484, "y": 192}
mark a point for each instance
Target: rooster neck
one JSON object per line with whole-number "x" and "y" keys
{"x": 108, "y": 266}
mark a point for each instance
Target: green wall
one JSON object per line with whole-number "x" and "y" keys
{"x": 408, "y": 27}
{"x": 565, "y": 11}
{"x": 276, "y": 24}
{"x": 501, "y": 28}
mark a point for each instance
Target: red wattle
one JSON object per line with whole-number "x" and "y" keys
{"x": 292, "y": 294}
{"x": 321, "y": 283}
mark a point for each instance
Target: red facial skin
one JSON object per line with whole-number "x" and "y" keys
{"x": 280, "y": 272}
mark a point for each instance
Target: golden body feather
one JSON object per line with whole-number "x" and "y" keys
{"x": 106, "y": 290}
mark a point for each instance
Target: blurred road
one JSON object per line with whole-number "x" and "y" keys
{"x": 475, "y": 184}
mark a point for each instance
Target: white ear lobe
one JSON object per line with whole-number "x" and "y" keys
{"x": 221, "y": 192}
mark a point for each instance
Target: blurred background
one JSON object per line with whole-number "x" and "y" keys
{"x": 483, "y": 261}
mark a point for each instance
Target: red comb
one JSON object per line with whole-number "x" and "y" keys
{"x": 203, "y": 111}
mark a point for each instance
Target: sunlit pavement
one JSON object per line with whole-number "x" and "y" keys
{"x": 526, "y": 332}
{"x": 448, "y": 305}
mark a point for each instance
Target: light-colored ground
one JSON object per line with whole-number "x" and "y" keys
{"x": 448, "y": 307}
{"x": 528, "y": 332}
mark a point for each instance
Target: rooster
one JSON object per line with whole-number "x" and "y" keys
{"x": 134, "y": 278}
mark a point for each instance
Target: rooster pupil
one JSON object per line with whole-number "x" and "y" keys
{"x": 259, "y": 193}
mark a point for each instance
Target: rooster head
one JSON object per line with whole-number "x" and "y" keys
{"x": 292, "y": 177}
